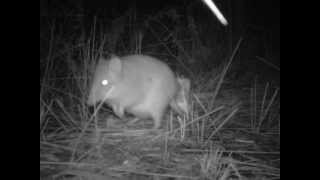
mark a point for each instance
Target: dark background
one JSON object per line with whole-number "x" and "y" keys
{"x": 257, "y": 22}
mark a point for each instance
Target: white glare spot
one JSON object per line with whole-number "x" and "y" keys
{"x": 104, "y": 82}
{"x": 216, "y": 11}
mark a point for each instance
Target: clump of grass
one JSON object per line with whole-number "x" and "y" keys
{"x": 226, "y": 135}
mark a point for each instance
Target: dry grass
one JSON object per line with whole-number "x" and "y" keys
{"x": 231, "y": 132}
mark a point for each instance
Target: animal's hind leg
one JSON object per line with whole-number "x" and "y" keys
{"x": 157, "y": 118}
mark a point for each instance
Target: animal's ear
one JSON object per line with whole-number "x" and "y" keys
{"x": 115, "y": 66}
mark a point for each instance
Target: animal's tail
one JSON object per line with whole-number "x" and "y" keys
{"x": 180, "y": 103}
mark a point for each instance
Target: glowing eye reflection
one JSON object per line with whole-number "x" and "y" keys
{"x": 104, "y": 82}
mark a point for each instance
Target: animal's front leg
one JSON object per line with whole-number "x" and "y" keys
{"x": 133, "y": 121}
{"x": 118, "y": 110}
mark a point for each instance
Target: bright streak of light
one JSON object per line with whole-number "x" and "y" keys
{"x": 216, "y": 11}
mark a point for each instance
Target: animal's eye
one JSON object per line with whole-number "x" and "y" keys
{"x": 104, "y": 82}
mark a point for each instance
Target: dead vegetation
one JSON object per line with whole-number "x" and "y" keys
{"x": 232, "y": 132}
